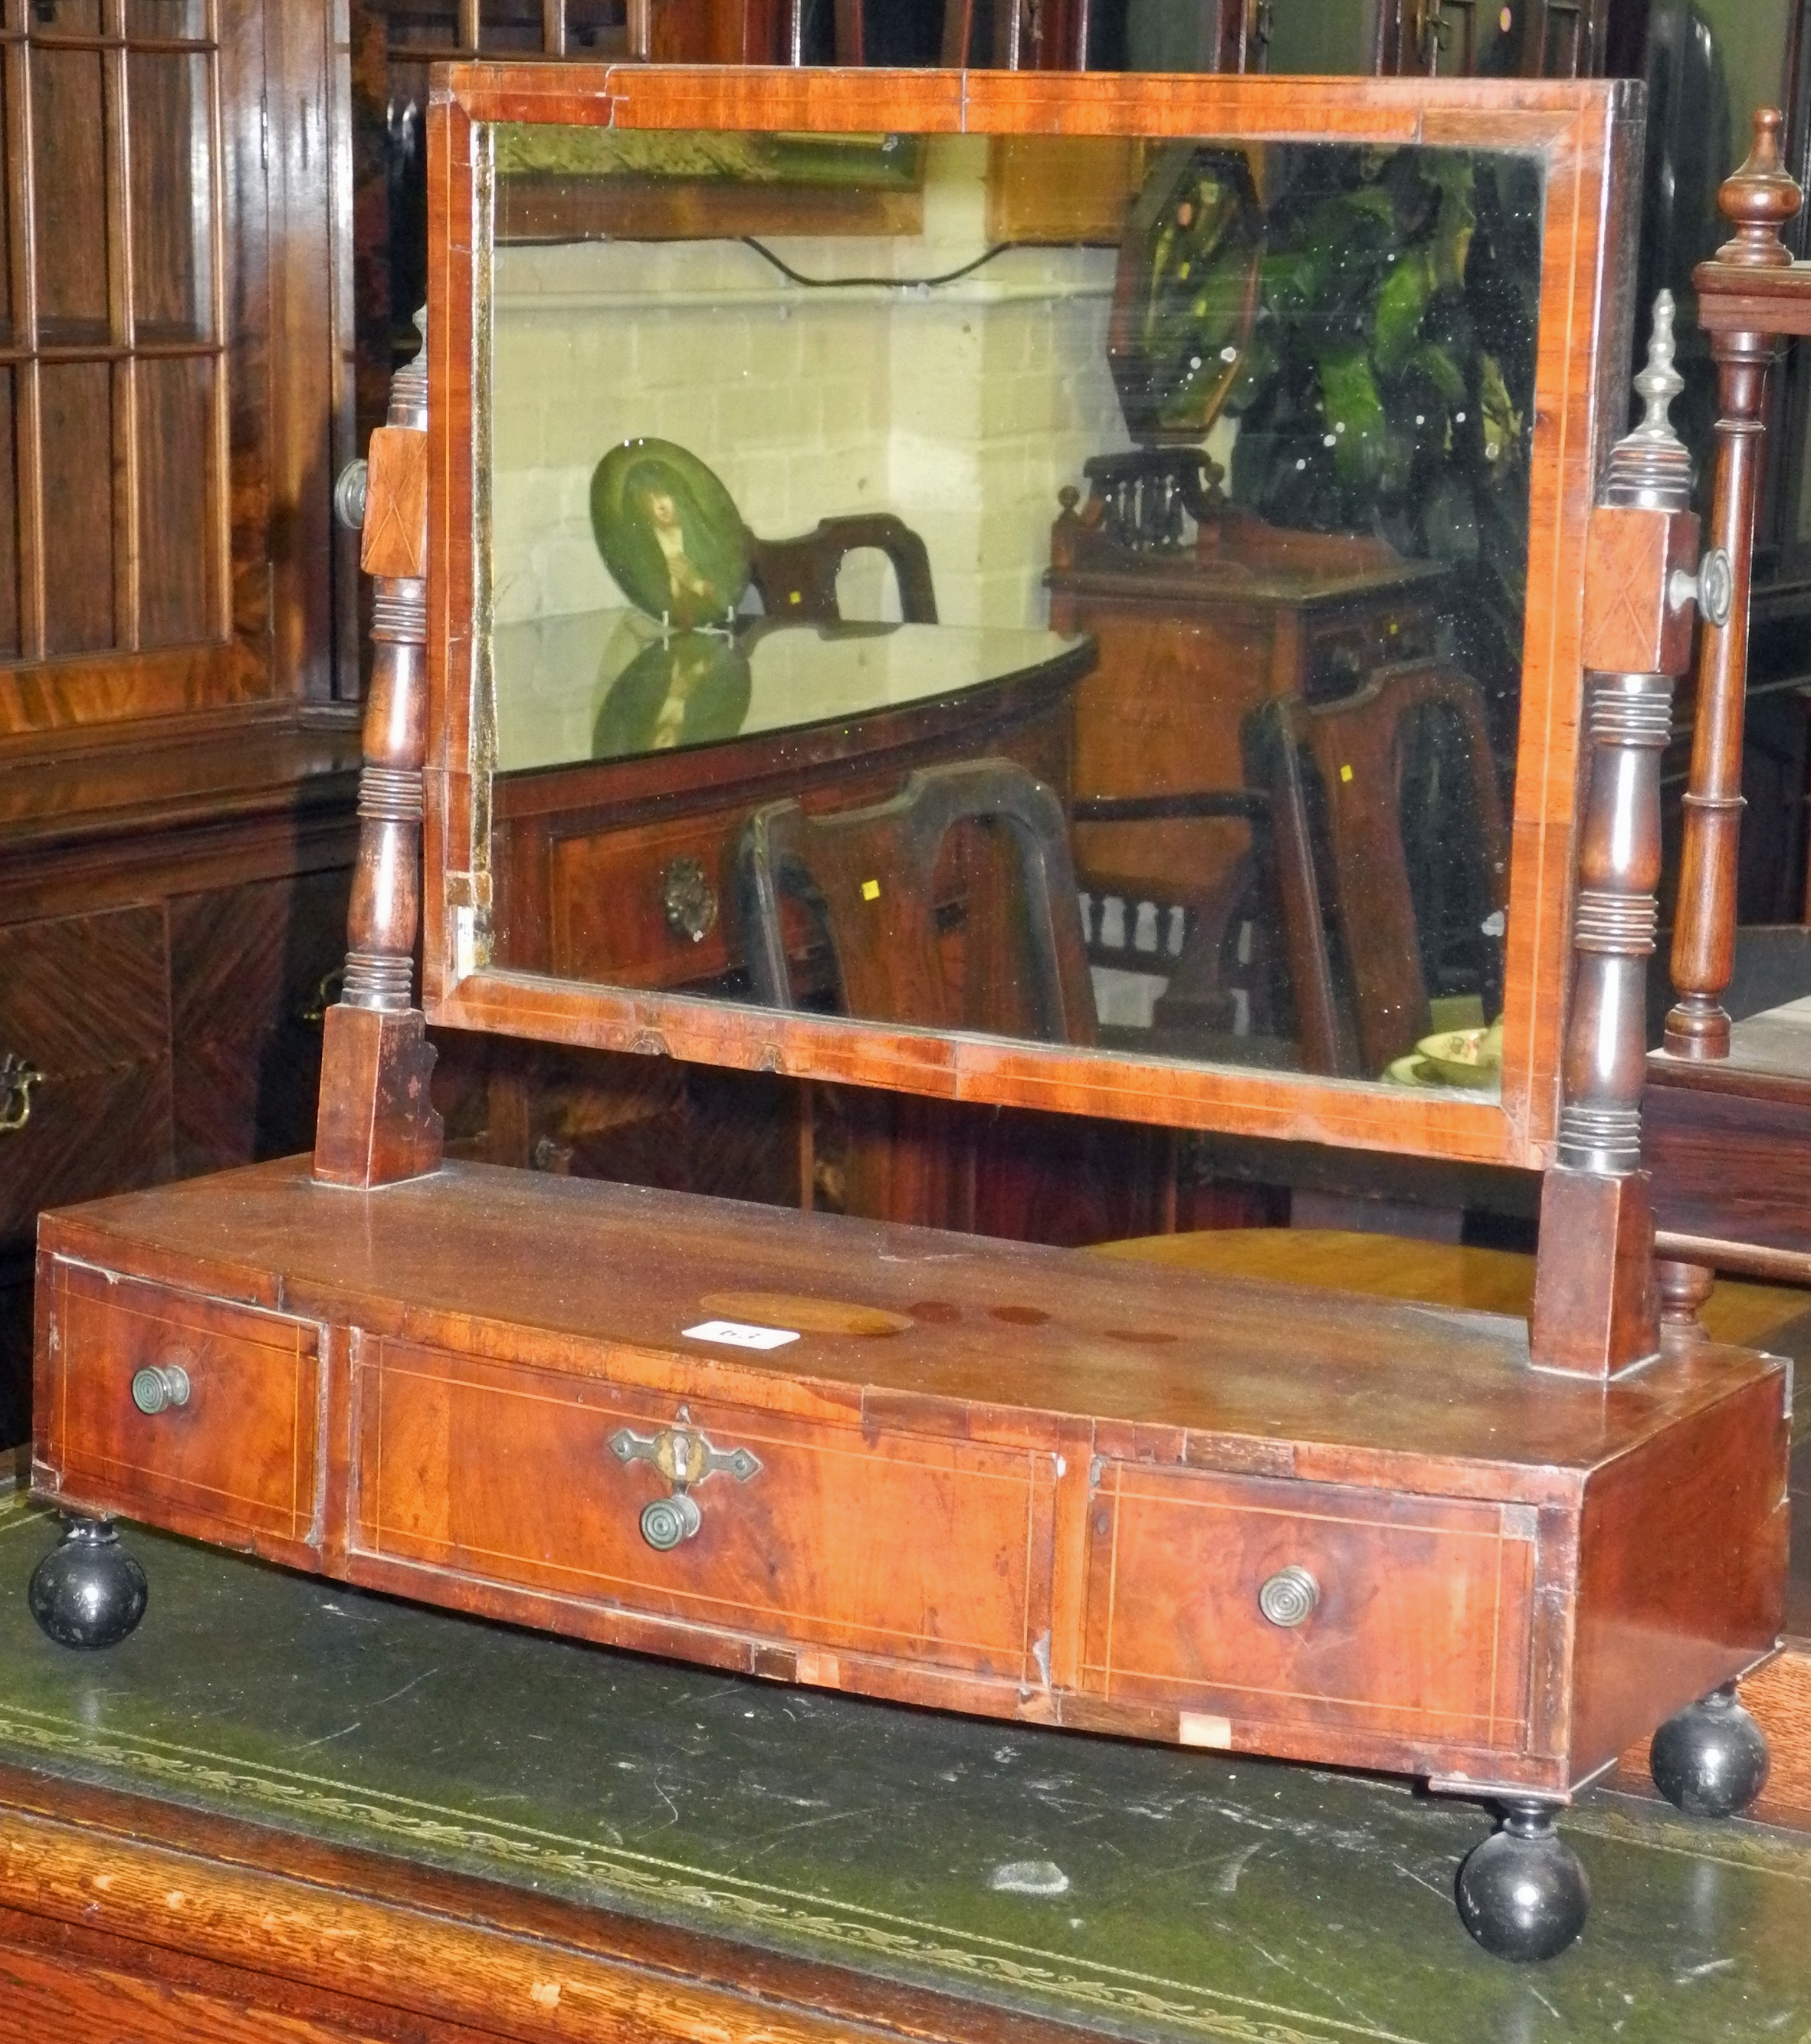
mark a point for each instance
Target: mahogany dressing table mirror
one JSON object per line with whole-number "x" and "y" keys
{"x": 978, "y": 1475}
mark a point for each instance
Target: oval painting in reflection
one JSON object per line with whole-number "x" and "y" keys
{"x": 692, "y": 689}
{"x": 670, "y": 533}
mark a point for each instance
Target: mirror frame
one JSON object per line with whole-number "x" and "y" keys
{"x": 1588, "y": 136}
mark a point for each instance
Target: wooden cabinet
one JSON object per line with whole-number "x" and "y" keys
{"x": 177, "y": 745}
{"x": 169, "y": 924}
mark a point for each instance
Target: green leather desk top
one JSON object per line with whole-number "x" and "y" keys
{"x": 1150, "y": 1892}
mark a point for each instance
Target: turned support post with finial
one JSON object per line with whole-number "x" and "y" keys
{"x": 376, "y": 1124}
{"x": 1597, "y": 1305}
{"x": 1759, "y": 199}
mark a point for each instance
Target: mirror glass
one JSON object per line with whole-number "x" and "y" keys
{"x": 1067, "y": 588}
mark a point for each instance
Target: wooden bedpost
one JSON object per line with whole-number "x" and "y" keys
{"x": 1759, "y": 199}
{"x": 375, "y": 1123}
{"x": 1597, "y": 1305}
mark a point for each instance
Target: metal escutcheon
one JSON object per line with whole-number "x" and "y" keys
{"x": 669, "y": 1520}
{"x": 1289, "y": 1597}
{"x": 158, "y": 1386}
{"x": 687, "y": 899}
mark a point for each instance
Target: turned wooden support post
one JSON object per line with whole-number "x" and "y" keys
{"x": 1597, "y": 1306}
{"x": 376, "y": 1124}
{"x": 1759, "y": 199}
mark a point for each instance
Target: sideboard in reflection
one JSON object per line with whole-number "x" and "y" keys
{"x": 617, "y": 813}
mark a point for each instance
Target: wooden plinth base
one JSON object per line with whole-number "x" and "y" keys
{"x": 1015, "y": 1482}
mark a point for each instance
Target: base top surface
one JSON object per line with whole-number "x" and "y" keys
{"x": 574, "y": 1272}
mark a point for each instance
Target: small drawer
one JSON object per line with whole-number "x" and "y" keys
{"x": 827, "y": 1536}
{"x": 1313, "y": 1605}
{"x": 202, "y": 1416}
{"x": 648, "y": 906}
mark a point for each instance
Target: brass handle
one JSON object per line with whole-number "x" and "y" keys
{"x": 688, "y": 899}
{"x": 159, "y": 1386}
{"x": 1289, "y": 1597}
{"x": 17, "y": 1076}
{"x": 327, "y": 991}
{"x": 684, "y": 1458}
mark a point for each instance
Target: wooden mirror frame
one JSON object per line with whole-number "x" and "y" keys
{"x": 1587, "y": 138}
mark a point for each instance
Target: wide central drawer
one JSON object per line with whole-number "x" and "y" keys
{"x": 1309, "y": 1604}
{"x": 830, "y": 1535}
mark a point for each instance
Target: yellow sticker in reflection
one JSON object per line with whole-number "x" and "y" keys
{"x": 871, "y": 890}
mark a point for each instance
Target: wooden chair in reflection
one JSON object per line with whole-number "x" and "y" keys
{"x": 797, "y": 578}
{"x": 1359, "y": 868}
{"x": 951, "y": 906}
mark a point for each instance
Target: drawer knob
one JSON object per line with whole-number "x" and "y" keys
{"x": 1289, "y": 1597}
{"x": 684, "y": 1458}
{"x": 159, "y": 1384}
{"x": 669, "y": 1520}
{"x": 688, "y": 899}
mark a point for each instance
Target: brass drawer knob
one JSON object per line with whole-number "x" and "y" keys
{"x": 669, "y": 1520}
{"x": 160, "y": 1385}
{"x": 683, "y": 1457}
{"x": 1289, "y": 1597}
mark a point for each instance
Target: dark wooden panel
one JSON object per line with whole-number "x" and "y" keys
{"x": 249, "y": 969}
{"x": 85, "y": 999}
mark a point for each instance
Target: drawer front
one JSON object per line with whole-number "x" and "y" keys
{"x": 1309, "y": 1604}
{"x": 232, "y": 1443}
{"x": 611, "y": 896}
{"x": 84, "y": 1001}
{"x": 869, "y": 1542}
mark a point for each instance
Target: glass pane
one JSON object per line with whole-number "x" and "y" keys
{"x": 171, "y": 198}
{"x": 1178, "y": 475}
{"x": 78, "y": 412}
{"x": 594, "y": 25}
{"x": 63, "y": 17}
{"x": 175, "y": 438}
{"x": 510, "y": 24}
{"x": 171, "y": 21}
{"x": 69, "y": 191}
{"x": 424, "y": 26}
{"x": 8, "y": 522}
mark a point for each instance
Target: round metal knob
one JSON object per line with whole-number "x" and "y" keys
{"x": 1713, "y": 589}
{"x": 1289, "y": 1597}
{"x": 669, "y": 1520}
{"x": 349, "y": 490}
{"x": 160, "y": 1385}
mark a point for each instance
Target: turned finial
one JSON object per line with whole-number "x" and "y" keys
{"x": 1759, "y": 199}
{"x": 1650, "y": 468}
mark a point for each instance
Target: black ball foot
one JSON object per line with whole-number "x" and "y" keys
{"x": 88, "y": 1591}
{"x": 1711, "y": 1760}
{"x": 1522, "y": 1893}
